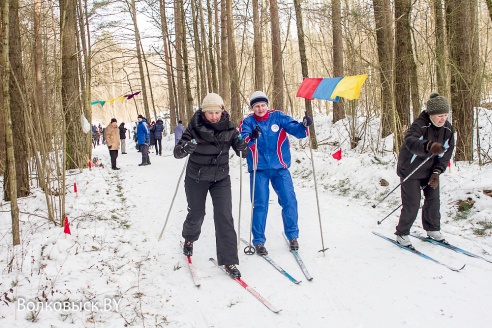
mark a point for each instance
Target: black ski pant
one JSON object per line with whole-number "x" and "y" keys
{"x": 410, "y": 197}
{"x": 144, "y": 149}
{"x": 225, "y": 235}
{"x": 114, "y": 155}
{"x": 158, "y": 146}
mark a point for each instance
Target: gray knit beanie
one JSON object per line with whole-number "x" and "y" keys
{"x": 437, "y": 104}
{"x": 256, "y": 97}
{"x": 212, "y": 102}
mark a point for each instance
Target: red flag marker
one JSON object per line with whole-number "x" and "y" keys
{"x": 337, "y": 155}
{"x": 75, "y": 189}
{"x": 66, "y": 226}
{"x": 90, "y": 165}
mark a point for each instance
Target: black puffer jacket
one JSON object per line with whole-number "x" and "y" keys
{"x": 413, "y": 151}
{"x": 210, "y": 160}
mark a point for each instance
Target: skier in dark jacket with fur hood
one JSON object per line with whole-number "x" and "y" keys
{"x": 207, "y": 140}
{"x": 430, "y": 135}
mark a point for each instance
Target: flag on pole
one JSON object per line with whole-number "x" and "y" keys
{"x": 66, "y": 226}
{"x": 89, "y": 163}
{"x": 337, "y": 155}
{"x": 75, "y": 189}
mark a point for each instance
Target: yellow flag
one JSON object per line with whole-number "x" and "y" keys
{"x": 112, "y": 100}
{"x": 349, "y": 87}
{"x": 121, "y": 98}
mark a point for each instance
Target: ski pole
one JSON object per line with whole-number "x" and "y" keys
{"x": 379, "y": 222}
{"x": 323, "y": 249}
{"x": 250, "y": 250}
{"x": 408, "y": 177}
{"x": 175, "y": 192}
{"x": 240, "y": 195}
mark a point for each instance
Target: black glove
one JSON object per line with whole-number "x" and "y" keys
{"x": 307, "y": 121}
{"x": 435, "y": 148}
{"x": 189, "y": 147}
{"x": 109, "y": 147}
{"x": 241, "y": 145}
{"x": 434, "y": 180}
{"x": 255, "y": 134}
{"x": 147, "y": 141}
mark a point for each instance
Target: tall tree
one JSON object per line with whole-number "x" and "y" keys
{"x": 236, "y": 113}
{"x": 178, "y": 44}
{"x": 213, "y": 66}
{"x": 462, "y": 27}
{"x": 224, "y": 83}
{"x": 258, "y": 47}
{"x": 441, "y": 75}
{"x": 9, "y": 140}
{"x": 278, "y": 71}
{"x": 133, "y": 13}
{"x": 75, "y": 141}
{"x": 167, "y": 59}
{"x": 336, "y": 18}
{"x": 186, "y": 66}
{"x": 402, "y": 70}
{"x": 18, "y": 104}
{"x": 304, "y": 67}
{"x": 384, "y": 40}
{"x": 200, "y": 62}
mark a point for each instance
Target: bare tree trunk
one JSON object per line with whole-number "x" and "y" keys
{"x": 202, "y": 78}
{"x": 236, "y": 114}
{"x": 278, "y": 71}
{"x": 384, "y": 39}
{"x": 258, "y": 47}
{"x": 169, "y": 72}
{"x": 18, "y": 104}
{"x": 224, "y": 83}
{"x": 133, "y": 12}
{"x": 338, "y": 110}
{"x": 211, "y": 46}
{"x": 217, "y": 46}
{"x": 304, "y": 67}
{"x": 10, "y": 162}
{"x": 442, "y": 85}
{"x": 178, "y": 27}
{"x": 462, "y": 25}
{"x": 189, "y": 95}
{"x": 206, "y": 49}
{"x": 75, "y": 142}
{"x": 402, "y": 70}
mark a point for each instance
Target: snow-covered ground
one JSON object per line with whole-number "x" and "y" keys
{"x": 113, "y": 254}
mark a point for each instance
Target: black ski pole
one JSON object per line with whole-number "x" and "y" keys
{"x": 408, "y": 177}
{"x": 250, "y": 250}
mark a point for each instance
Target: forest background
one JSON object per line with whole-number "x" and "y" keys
{"x": 59, "y": 57}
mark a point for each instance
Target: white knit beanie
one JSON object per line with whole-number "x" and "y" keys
{"x": 212, "y": 102}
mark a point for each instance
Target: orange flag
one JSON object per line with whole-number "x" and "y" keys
{"x": 337, "y": 155}
{"x": 66, "y": 226}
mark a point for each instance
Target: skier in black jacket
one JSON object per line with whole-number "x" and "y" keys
{"x": 430, "y": 135}
{"x": 207, "y": 140}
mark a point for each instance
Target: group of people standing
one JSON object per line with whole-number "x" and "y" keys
{"x": 262, "y": 138}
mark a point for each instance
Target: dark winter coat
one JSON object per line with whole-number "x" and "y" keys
{"x": 158, "y": 129}
{"x": 122, "y": 131}
{"x": 413, "y": 150}
{"x": 210, "y": 160}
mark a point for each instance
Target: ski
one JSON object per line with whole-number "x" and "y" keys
{"x": 276, "y": 266}
{"x": 249, "y": 289}
{"x": 414, "y": 251}
{"x": 449, "y": 246}
{"x": 299, "y": 261}
{"x": 194, "y": 274}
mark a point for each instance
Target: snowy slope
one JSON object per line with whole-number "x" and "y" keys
{"x": 362, "y": 280}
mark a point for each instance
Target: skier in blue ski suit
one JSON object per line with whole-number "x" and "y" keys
{"x": 266, "y": 131}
